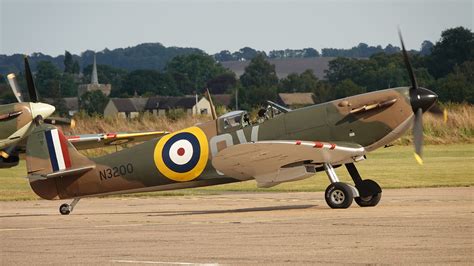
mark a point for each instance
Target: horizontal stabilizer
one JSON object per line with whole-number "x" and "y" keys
{"x": 93, "y": 141}
{"x": 61, "y": 173}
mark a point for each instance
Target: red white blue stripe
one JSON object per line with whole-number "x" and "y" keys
{"x": 58, "y": 151}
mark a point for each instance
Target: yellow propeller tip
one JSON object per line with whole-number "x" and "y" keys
{"x": 418, "y": 159}
{"x": 73, "y": 123}
{"x": 445, "y": 115}
{"x": 4, "y": 154}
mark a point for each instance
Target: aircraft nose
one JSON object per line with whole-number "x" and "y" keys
{"x": 42, "y": 109}
{"x": 423, "y": 99}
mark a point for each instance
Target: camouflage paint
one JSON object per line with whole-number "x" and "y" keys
{"x": 138, "y": 169}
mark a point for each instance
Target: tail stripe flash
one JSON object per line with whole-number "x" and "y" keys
{"x": 57, "y": 147}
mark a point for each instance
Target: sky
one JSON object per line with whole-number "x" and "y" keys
{"x": 53, "y": 26}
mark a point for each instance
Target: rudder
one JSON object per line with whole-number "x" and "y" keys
{"x": 50, "y": 154}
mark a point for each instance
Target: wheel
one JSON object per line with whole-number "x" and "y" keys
{"x": 370, "y": 193}
{"x": 338, "y": 195}
{"x": 369, "y": 201}
{"x": 65, "y": 209}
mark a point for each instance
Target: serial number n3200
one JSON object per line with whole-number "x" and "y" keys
{"x": 116, "y": 171}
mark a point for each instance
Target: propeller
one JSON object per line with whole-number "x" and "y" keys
{"x": 421, "y": 100}
{"x": 38, "y": 108}
{"x": 439, "y": 113}
{"x": 30, "y": 82}
{"x": 15, "y": 87}
{"x": 60, "y": 121}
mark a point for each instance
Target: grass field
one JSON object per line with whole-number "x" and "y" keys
{"x": 394, "y": 167}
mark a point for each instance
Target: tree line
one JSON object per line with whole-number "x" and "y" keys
{"x": 156, "y": 56}
{"x": 446, "y": 67}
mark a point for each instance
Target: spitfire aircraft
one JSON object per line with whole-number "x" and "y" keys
{"x": 17, "y": 121}
{"x": 284, "y": 145}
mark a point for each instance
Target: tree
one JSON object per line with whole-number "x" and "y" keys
{"x": 223, "y": 56}
{"x": 459, "y": 85}
{"x": 310, "y": 52}
{"x": 347, "y": 88}
{"x": 259, "y": 82}
{"x": 68, "y": 63}
{"x": 246, "y": 54}
{"x": 192, "y": 72}
{"x": 323, "y": 92}
{"x": 426, "y": 47}
{"x": 304, "y": 82}
{"x": 455, "y": 47}
{"x": 93, "y": 102}
{"x": 76, "y": 68}
{"x": 47, "y": 79}
{"x": 67, "y": 85}
{"x": 289, "y": 53}
{"x": 223, "y": 83}
{"x": 149, "y": 82}
{"x": 343, "y": 68}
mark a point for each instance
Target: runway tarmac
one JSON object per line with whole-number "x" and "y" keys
{"x": 431, "y": 225}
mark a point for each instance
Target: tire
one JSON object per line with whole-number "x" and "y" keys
{"x": 64, "y": 209}
{"x": 338, "y": 195}
{"x": 369, "y": 201}
{"x": 370, "y": 193}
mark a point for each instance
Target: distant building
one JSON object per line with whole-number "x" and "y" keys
{"x": 122, "y": 107}
{"x": 70, "y": 103}
{"x": 158, "y": 105}
{"x": 296, "y": 100}
{"x": 94, "y": 85}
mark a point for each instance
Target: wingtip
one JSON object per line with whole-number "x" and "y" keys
{"x": 418, "y": 159}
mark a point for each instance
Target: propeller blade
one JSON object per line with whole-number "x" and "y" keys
{"x": 418, "y": 135}
{"x": 15, "y": 87}
{"x": 30, "y": 82}
{"x": 438, "y": 112}
{"x": 60, "y": 121}
{"x": 411, "y": 74}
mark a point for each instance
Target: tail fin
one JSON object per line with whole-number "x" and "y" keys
{"x": 50, "y": 154}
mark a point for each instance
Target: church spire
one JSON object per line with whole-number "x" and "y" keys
{"x": 94, "y": 78}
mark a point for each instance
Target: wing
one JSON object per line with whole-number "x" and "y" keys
{"x": 274, "y": 162}
{"x": 93, "y": 141}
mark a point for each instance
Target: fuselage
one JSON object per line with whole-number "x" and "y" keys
{"x": 371, "y": 120}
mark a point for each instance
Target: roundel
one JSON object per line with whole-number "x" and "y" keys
{"x": 182, "y": 156}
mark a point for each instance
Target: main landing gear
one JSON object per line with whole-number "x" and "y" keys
{"x": 66, "y": 209}
{"x": 339, "y": 195}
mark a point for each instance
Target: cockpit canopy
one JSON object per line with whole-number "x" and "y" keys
{"x": 235, "y": 120}
{"x": 232, "y": 121}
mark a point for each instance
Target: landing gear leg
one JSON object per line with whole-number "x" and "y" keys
{"x": 369, "y": 191}
{"x": 338, "y": 195}
{"x": 66, "y": 209}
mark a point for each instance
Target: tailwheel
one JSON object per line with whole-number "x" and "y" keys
{"x": 370, "y": 193}
{"x": 339, "y": 195}
{"x": 65, "y": 209}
